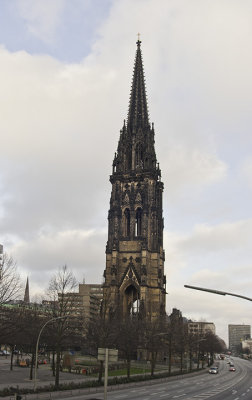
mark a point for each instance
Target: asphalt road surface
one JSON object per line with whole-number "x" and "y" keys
{"x": 225, "y": 385}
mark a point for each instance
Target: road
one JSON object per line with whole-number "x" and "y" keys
{"x": 225, "y": 385}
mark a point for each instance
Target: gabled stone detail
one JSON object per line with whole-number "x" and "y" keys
{"x": 138, "y": 198}
{"x": 126, "y": 200}
{"x": 130, "y": 275}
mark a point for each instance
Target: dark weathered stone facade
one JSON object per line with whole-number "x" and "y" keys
{"x": 134, "y": 275}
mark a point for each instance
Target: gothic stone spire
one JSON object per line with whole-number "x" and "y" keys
{"x": 27, "y": 293}
{"x": 136, "y": 150}
{"x": 134, "y": 275}
{"x": 138, "y": 109}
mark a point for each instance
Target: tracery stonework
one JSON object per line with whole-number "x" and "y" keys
{"x": 134, "y": 274}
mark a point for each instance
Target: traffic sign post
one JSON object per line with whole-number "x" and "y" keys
{"x": 107, "y": 355}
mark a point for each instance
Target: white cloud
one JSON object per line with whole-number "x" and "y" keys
{"x": 226, "y": 236}
{"x": 80, "y": 250}
{"x": 191, "y": 168}
{"x": 42, "y": 17}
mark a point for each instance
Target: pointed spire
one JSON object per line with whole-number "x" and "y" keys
{"x": 138, "y": 110}
{"x": 27, "y": 293}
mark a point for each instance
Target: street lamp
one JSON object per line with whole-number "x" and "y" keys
{"x": 217, "y": 292}
{"x": 36, "y": 352}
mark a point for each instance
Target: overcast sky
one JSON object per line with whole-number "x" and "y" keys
{"x": 65, "y": 77}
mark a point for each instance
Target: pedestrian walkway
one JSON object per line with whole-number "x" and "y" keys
{"x": 19, "y": 377}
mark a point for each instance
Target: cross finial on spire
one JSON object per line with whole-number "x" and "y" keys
{"x": 138, "y": 37}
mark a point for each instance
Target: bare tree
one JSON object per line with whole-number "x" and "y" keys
{"x": 128, "y": 339}
{"x": 10, "y": 284}
{"x": 61, "y": 292}
{"x": 101, "y": 332}
{"x": 152, "y": 339}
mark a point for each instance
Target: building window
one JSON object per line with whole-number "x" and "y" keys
{"x": 138, "y": 225}
{"x": 129, "y": 158}
{"x": 139, "y": 156}
{"x": 127, "y": 222}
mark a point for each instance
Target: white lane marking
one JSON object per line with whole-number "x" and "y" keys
{"x": 163, "y": 395}
{"x": 153, "y": 394}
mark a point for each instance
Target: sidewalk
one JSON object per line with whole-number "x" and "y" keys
{"x": 19, "y": 377}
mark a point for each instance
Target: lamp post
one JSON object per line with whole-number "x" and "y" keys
{"x": 217, "y": 292}
{"x": 36, "y": 352}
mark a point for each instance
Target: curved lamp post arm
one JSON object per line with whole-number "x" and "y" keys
{"x": 37, "y": 345}
{"x": 217, "y": 292}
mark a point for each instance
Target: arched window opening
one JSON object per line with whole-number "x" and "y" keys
{"x": 129, "y": 158}
{"x": 138, "y": 222}
{"x": 139, "y": 156}
{"x": 132, "y": 301}
{"x": 127, "y": 222}
{"x": 134, "y": 310}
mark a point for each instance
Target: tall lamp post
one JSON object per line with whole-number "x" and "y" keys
{"x": 36, "y": 352}
{"x": 217, "y": 292}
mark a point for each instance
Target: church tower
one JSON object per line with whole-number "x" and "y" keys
{"x": 27, "y": 293}
{"x": 134, "y": 275}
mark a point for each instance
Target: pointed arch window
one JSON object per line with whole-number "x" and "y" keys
{"x": 139, "y": 156}
{"x": 138, "y": 222}
{"x": 127, "y": 222}
{"x": 129, "y": 158}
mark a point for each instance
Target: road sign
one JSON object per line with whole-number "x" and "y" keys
{"x": 107, "y": 355}
{"x": 112, "y": 355}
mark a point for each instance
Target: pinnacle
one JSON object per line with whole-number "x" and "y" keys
{"x": 138, "y": 109}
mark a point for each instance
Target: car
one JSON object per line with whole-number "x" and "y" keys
{"x": 232, "y": 368}
{"x": 5, "y": 353}
{"x": 213, "y": 370}
{"x": 42, "y": 361}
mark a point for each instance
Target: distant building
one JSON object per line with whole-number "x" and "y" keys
{"x": 201, "y": 328}
{"x": 92, "y": 295}
{"x": 247, "y": 345}
{"x": 236, "y": 334}
{"x": 86, "y": 302}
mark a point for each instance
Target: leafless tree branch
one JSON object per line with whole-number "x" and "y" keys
{"x": 10, "y": 283}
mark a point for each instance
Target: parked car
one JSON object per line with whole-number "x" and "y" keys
{"x": 23, "y": 363}
{"x": 42, "y": 361}
{"x": 213, "y": 370}
{"x": 5, "y": 353}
